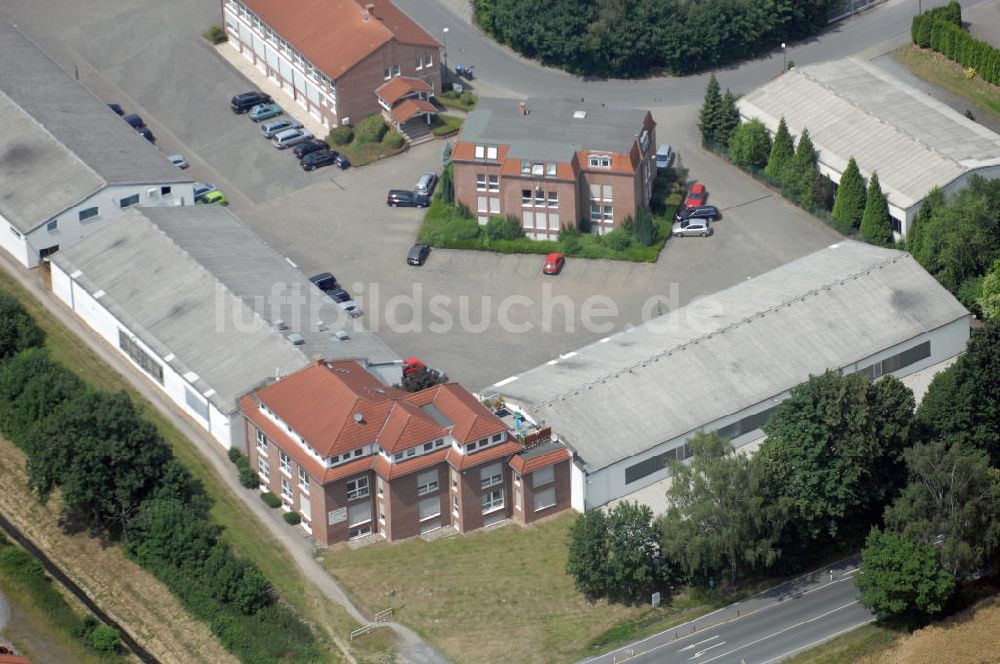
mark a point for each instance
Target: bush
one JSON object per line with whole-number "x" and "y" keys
{"x": 342, "y": 135}
{"x": 215, "y": 34}
{"x": 234, "y": 454}
{"x": 18, "y": 330}
{"x": 504, "y": 228}
{"x": 104, "y": 639}
{"x": 371, "y": 130}
{"x": 618, "y": 239}
{"x": 270, "y": 500}
{"x": 292, "y": 518}
{"x": 393, "y": 140}
{"x": 249, "y": 477}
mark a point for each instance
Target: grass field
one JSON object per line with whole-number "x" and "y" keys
{"x": 849, "y": 648}
{"x": 500, "y": 595}
{"x": 949, "y": 75}
{"x": 242, "y": 529}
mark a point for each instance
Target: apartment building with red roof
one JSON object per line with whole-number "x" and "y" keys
{"x": 555, "y": 162}
{"x": 332, "y": 55}
{"x": 356, "y": 457}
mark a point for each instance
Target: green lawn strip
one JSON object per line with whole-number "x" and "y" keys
{"x": 446, "y": 125}
{"x": 465, "y": 101}
{"x": 242, "y": 528}
{"x": 949, "y": 75}
{"x": 867, "y": 640}
{"x": 33, "y": 593}
{"x": 362, "y": 154}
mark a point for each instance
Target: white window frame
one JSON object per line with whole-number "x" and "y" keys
{"x": 428, "y": 482}
{"x": 491, "y": 152}
{"x": 480, "y": 152}
{"x": 491, "y": 475}
{"x": 122, "y": 204}
{"x": 84, "y": 215}
{"x": 492, "y": 501}
{"x": 420, "y": 63}
{"x": 552, "y": 199}
{"x": 493, "y": 182}
{"x": 480, "y": 181}
{"x": 358, "y": 488}
{"x": 285, "y": 463}
{"x": 606, "y": 192}
{"x": 359, "y": 523}
{"x": 52, "y": 226}
{"x": 543, "y": 476}
{"x": 550, "y": 169}
{"x": 428, "y": 61}
{"x": 538, "y": 505}
{"x": 264, "y": 470}
{"x": 427, "y": 501}
{"x": 261, "y": 443}
{"x": 303, "y": 480}
{"x": 386, "y": 74}
{"x": 286, "y": 490}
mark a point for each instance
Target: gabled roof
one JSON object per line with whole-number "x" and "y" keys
{"x": 59, "y": 144}
{"x": 470, "y": 419}
{"x": 470, "y": 460}
{"x": 407, "y": 426}
{"x": 399, "y": 87}
{"x": 410, "y": 108}
{"x": 335, "y": 35}
{"x": 547, "y": 454}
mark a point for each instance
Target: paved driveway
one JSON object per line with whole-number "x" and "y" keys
{"x": 152, "y": 59}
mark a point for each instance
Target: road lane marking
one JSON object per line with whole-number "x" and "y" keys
{"x": 705, "y": 650}
{"x": 695, "y": 645}
{"x": 823, "y": 640}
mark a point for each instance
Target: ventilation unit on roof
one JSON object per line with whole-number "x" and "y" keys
{"x": 359, "y": 418}
{"x": 280, "y": 324}
{"x": 296, "y": 338}
{"x": 579, "y": 115}
{"x": 340, "y": 335}
{"x": 321, "y": 326}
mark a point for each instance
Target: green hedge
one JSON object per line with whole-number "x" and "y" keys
{"x": 270, "y": 500}
{"x": 292, "y": 518}
{"x": 215, "y": 34}
{"x": 342, "y": 135}
{"x": 941, "y": 29}
{"x": 464, "y": 101}
{"x": 370, "y": 130}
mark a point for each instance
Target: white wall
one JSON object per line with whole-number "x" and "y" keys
{"x": 577, "y": 487}
{"x": 13, "y": 241}
{"x": 226, "y": 428}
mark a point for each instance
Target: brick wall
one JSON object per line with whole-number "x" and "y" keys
{"x": 403, "y": 503}
{"x": 561, "y": 483}
{"x": 356, "y": 87}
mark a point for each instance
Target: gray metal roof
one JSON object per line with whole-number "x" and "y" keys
{"x": 854, "y": 107}
{"x": 198, "y": 286}
{"x": 550, "y": 131}
{"x": 723, "y": 353}
{"x": 58, "y": 142}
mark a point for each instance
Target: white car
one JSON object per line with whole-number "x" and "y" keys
{"x": 286, "y": 138}
{"x": 178, "y": 160}
{"x": 269, "y": 129}
{"x": 352, "y": 308}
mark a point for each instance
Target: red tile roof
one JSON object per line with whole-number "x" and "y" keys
{"x": 410, "y": 108}
{"x": 390, "y": 471}
{"x": 466, "y": 151}
{"x": 401, "y": 86}
{"x": 620, "y": 163}
{"x": 407, "y": 426}
{"x": 524, "y": 466}
{"x": 470, "y": 419}
{"x": 335, "y": 35}
{"x": 462, "y": 461}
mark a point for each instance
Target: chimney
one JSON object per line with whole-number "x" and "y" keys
{"x": 522, "y": 109}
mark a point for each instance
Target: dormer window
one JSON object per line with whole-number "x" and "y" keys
{"x": 599, "y": 161}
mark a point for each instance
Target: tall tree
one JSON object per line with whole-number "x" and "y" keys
{"x": 782, "y": 153}
{"x": 876, "y": 224}
{"x": 587, "y": 560}
{"x": 721, "y": 519}
{"x": 825, "y": 446}
{"x": 916, "y": 238}
{"x": 31, "y": 386}
{"x": 750, "y": 145}
{"x": 729, "y": 118}
{"x": 989, "y": 299}
{"x": 953, "y": 502}
{"x": 634, "y": 567}
{"x": 804, "y": 173}
{"x": 902, "y": 576}
{"x": 18, "y": 330}
{"x": 710, "y": 116}
{"x": 849, "y": 205}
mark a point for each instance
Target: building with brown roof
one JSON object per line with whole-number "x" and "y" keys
{"x": 354, "y": 457}
{"x": 332, "y": 55}
{"x": 555, "y": 162}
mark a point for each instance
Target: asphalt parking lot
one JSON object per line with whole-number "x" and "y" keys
{"x": 152, "y": 60}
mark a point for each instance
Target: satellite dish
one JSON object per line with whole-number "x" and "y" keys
{"x": 358, "y": 418}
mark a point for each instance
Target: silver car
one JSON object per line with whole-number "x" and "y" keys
{"x": 269, "y": 129}
{"x": 688, "y": 227}
{"x": 286, "y": 138}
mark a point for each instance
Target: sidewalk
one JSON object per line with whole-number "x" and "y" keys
{"x": 409, "y": 646}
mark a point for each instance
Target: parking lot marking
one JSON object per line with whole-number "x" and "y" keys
{"x": 289, "y": 261}
{"x": 505, "y": 381}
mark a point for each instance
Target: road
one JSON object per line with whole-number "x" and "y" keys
{"x": 768, "y": 627}
{"x": 501, "y": 69}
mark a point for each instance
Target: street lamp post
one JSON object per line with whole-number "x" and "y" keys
{"x": 784, "y": 58}
{"x": 444, "y": 81}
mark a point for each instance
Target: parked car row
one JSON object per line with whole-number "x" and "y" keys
{"x": 286, "y": 132}
{"x": 695, "y": 218}
{"x": 419, "y": 196}
{"x": 133, "y": 120}
{"x": 327, "y": 283}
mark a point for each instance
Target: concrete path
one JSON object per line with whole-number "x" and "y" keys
{"x": 409, "y": 646}
{"x": 4, "y": 611}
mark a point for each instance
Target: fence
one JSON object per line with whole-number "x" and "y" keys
{"x": 850, "y": 8}
{"x": 381, "y": 618}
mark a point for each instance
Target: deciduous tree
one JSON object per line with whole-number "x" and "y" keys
{"x": 901, "y": 576}
{"x": 18, "y": 330}
{"x": 876, "y": 224}
{"x": 587, "y": 561}
{"x": 849, "y": 205}
{"x": 750, "y": 145}
{"x": 989, "y": 299}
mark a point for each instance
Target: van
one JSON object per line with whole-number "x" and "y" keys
{"x": 425, "y": 185}
{"x": 664, "y": 155}
{"x": 286, "y": 138}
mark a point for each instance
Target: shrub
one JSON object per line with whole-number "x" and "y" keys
{"x": 292, "y": 518}
{"x": 342, "y": 135}
{"x": 234, "y": 454}
{"x": 104, "y": 639}
{"x": 18, "y": 329}
{"x": 249, "y": 477}
{"x": 393, "y": 140}
{"x": 215, "y": 34}
{"x": 618, "y": 239}
{"x": 371, "y": 130}
{"x": 270, "y": 500}
{"x": 504, "y": 228}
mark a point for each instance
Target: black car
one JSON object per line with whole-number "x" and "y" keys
{"x": 339, "y": 295}
{"x": 326, "y": 282}
{"x": 343, "y": 162}
{"x": 318, "y": 159}
{"x": 698, "y": 212}
{"x": 302, "y": 149}
{"x": 134, "y": 120}
{"x": 117, "y": 109}
{"x": 147, "y": 134}
{"x": 418, "y": 254}
{"x": 406, "y": 198}
{"x": 244, "y": 102}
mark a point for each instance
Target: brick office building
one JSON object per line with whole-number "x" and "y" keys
{"x": 355, "y": 457}
{"x": 332, "y": 55}
{"x": 555, "y": 162}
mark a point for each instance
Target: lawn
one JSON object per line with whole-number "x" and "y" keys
{"x": 867, "y": 641}
{"x": 949, "y": 75}
{"x": 464, "y": 101}
{"x": 242, "y": 529}
{"x": 445, "y": 125}
{"x": 500, "y": 595}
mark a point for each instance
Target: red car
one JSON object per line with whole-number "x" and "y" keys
{"x": 553, "y": 264}
{"x": 697, "y": 195}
